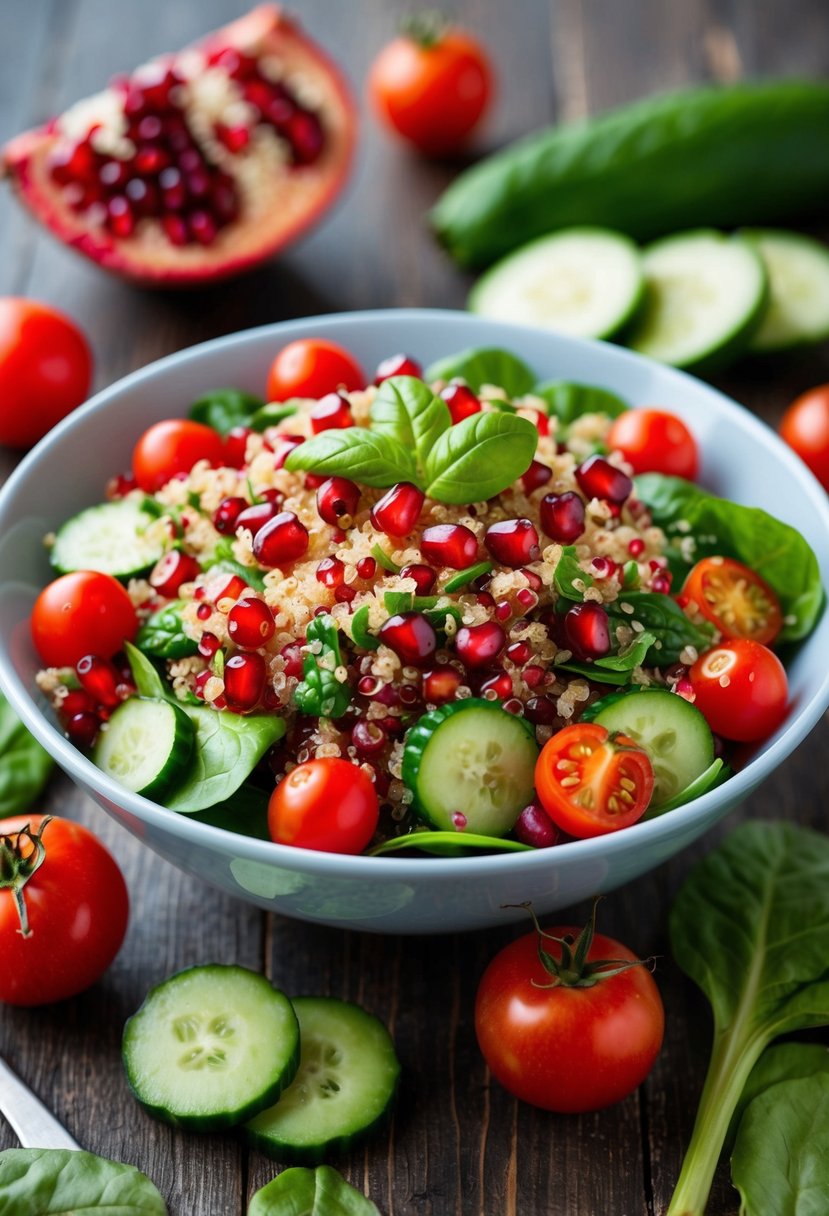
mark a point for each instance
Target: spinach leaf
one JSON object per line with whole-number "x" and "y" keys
{"x": 568, "y": 401}
{"x": 320, "y": 693}
{"x": 718, "y": 527}
{"x": 225, "y": 408}
{"x": 271, "y": 415}
{"x": 224, "y": 562}
{"x": 567, "y": 569}
{"x": 614, "y": 668}
{"x": 407, "y": 410}
{"x": 751, "y": 928}
{"x": 65, "y": 1182}
{"x": 780, "y": 1062}
{"x": 479, "y": 457}
{"x": 162, "y": 634}
{"x": 484, "y": 365}
{"x": 363, "y": 455}
{"x": 245, "y": 813}
{"x": 448, "y": 844}
{"x": 306, "y": 1192}
{"x": 25, "y": 766}
{"x": 664, "y": 619}
{"x": 148, "y": 681}
{"x": 780, "y": 1162}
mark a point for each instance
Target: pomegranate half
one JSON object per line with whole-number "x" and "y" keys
{"x": 199, "y": 164}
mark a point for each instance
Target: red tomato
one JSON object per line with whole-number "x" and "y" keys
{"x": 312, "y": 367}
{"x": 432, "y": 87}
{"x": 172, "y": 447}
{"x": 82, "y": 613}
{"x": 805, "y": 427}
{"x": 741, "y": 689}
{"x": 76, "y": 906}
{"x": 591, "y": 782}
{"x": 326, "y": 804}
{"x": 567, "y": 1048}
{"x": 45, "y": 369}
{"x": 653, "y": 441}
{"x": 734, "y": 599}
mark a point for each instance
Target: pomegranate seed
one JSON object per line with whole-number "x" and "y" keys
{"x": 337, "y": 497}
{"x": 254, "y": 518}
{"x": 250, "y": 623}
{"x": 121, "y": 485}
{"x": 537, "y": 475}
{"x": 503, "y": 610}
{"x": 424, "y": 577}
{"x": 367, "y": 738}
{"x": 292, "y": 654}
{"x": 500, "y": 683}
{"x": 586, "y": 631}
{"x": 173, "y": 190}
{"x": 227, "y": 513}
{"x": 313, "y": 481}
{"x": 77, "y": 701}
{"x": 208, "y": 644}
{"x": 244, "y": 679}
{"x": 397, "y": 365}
{"x": 175, "y": 230}
{"x": 658, "y": 563}
{"x": 368, "y": 686}
{"x": 451, "y": 545}
{"x": 440, "y": 684}
{"x": 519, "y": 653}
{"x": 532, "y": 675}
{"x": 661, "y": 584}
{"x": 120, "y": 217}
{"x": 345, "y": 594}
{"x": 485, "y": 599}
{"x": 541, "y": 422}
{"x": 305, "y": 136}
{"x": 203, "y": 227}
{"x": 603, "y": 567}
{"x": 151, "y": 160}
{"x": 411, "y": 636}
{"x": 636, "y": 547}
{"x": 480, "y": 645}
{"x": 598, "y": 478}
{"x": 172, "y": 571}
{"x": 367, "y": 567}
{"x": 685, "y": 689}
{"x": 535, "y": 827}
{"x": 82, "y": 729}
{"x": 114, "y": 174}
{"x": 562, "y": 516}
{"x": 224, "y": 587}
{"x": 397, "y": 511}
{"x": 236, "y": 445}
{"x": 331, "y": 412}
{"x": 513, "y": 706}
{"x": 204, "y": 612}
{"x": 527, "y": 599}
{"x": 99, "y": 678}
{"x": 235, "y": 139}
{"x": 330, "y": 572}
{"x": 513, "y": 542}
{"x": 540, "y": 711}
{"x": 72, "y": 162}
{"x": 462, "y": 402}
{"x": 283, "y": 539}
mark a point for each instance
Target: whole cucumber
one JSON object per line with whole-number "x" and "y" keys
{"x": 718, "y": 155}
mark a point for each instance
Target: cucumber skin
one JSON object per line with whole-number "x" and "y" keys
{"x": 719, "y": 155}
{"x": 754, "y": 237}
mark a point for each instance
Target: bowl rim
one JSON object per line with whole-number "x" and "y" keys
{"x": 643, "y": 834}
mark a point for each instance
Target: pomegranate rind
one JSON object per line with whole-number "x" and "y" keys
{"x": 279, "y": 206}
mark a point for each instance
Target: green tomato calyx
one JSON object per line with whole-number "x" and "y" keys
{"x": 572, "y": 970}
{"x": 21, "y": 856}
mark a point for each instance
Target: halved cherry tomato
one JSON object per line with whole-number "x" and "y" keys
{"x": 85, "y": 612}
{"x": 312, "y": 367}
{"x": 805, "y": 428}
{"x": 591, "y": 782}
{"x": 654, "y": 441}
{"x": 326, "y": 804}
{"x": 172, "y": 447}
{"x": 734, "y": 599}
{"x": 741, "y": 689}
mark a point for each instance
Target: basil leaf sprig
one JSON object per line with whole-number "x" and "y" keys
{"x": 320, "y": 693}
{"x": 412, "y": 438}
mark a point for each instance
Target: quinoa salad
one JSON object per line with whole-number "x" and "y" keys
{"x": 438, "y": 612}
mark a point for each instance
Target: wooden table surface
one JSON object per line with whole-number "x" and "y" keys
{"x": 458, "y": 1145}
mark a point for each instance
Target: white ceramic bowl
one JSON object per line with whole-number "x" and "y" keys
{"x": 741, "y": 459}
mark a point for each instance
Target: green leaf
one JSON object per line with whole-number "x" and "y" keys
{"x": 225, "y": 408}
{"x": 245, "y": 813}
{"x": 479, "y": 457}
{"x": 271, "y": 415}
{"x": 305, "y": 1192}
{"x": 568, "y": 401}
{"x": 599, "y": 675}
{"x": 566, "y": 571}
{"x": 448, "y": 844}
{"x": 162, "y": 634}
{"x": 662, "y": 617}
{"x": 64, "y": 1182}
{"x": 320, "y": 694}
{"x": 148, "y": 681}
{"x": 360, "y": 634}
{"x": 467, "y": 576}
{"x": 780, "y": 1162}
{"x": 25, "y": 766}
{"x": 407, "y": 410}
{"x": 630, "y": 656}
{"x": 774, "y": 550}
{"x": 478, "y": 366}
{"x": 382, "y": 558}
{"x": 780, "y": 1062}
{"x": 714, "y": 775}
{"x": 363, "y": 455}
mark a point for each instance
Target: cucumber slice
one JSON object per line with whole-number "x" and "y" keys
{"x": 110, "y": 538}
{"x": 470, "y": 759}
{"x": 798, "y": 270}
{"x": 583, "y": 281}
{"x": 673, "y": 732}
{"x": 706, "y": 293}
{"x": 347, "y": 1078}
{"x": 146, "y": 746}
{"x": 211, "y": 1046}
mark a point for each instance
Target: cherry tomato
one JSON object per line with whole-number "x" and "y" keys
{"x": 654, "y": 441}
{"x": 741, "y": 689}
{"x": 45, "y": 369}
{"x": 805, "y": 427}
{"x": 172, "y": 447}
{"x": 591, "y": 782}
{"x": 567, "y": 1047}
{"x": 82, "y": 613}
{"x": 432, "y": 87}
{"x": 312, "y": 367}
{"x": 734, "y": 599}
{"x": 326, "y": 804}
{"x": 75, "y": 909}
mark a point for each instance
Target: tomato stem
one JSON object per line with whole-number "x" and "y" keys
{"x": 17, "y": 866}
{"x": 427, "y": 29}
